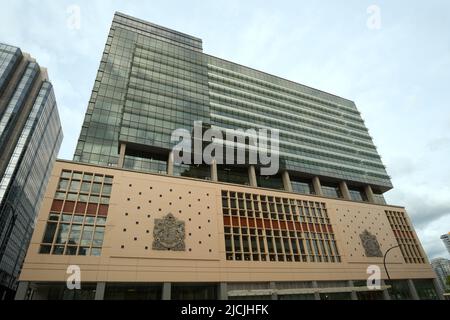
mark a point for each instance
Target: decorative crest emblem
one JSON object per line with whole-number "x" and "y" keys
{"x": 168, "y": 234}
{"x": 370, "y": 244}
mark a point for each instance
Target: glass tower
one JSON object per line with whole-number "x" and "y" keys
{"x": 446, "y": 240}
{"x": 153, "y": 80}
{"x": 30, "y": 137}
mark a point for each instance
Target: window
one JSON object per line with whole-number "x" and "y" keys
{"x": 331, "y": 191}
{"x": 80, "y": 229}
{"x": 63, "y": 233}
{"x": 98, "y": 236}
{"x": 61, "y": 292}
{"x": 357, "y": 195}
{"x": 302, "y": 186}
{"x": 270, "y": 182}
{"x": 63, "y": 183}
{"x": 267, "y": 228}
{"x": 406, "y": 238}
{"x": 85, "y": 186}
{"x": 49, "y": 233}
{"x": 77, "y": 175}
{"x": 75, "y": 233}
{"x": 72, "y": 196}
{"x": 117, "y": 291}
{"x": 108, "y": 179}
{"x": 66, "y": 174}
{"x": 60, "y": 195}
{"x": 379, "y": 198}
{"x": 106, "y": 189}
{"x": 96, "y": 188}
{"x": 83, "y": 198}
{"x": 74, "y": 185}
{"x": 232, "y": 174}
{"x": 181, "y": 291}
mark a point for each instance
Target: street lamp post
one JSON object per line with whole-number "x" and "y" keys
{"x": 385, "y": 267}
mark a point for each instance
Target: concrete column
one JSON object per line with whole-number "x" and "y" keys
{"x": 317, "y": 186}
{"x": 412, "y": 290}
{"x": 353, "y": 294}
{"x": 170, "y": 164}
{"x": 286, "y": 181}
{"x": 369, "y": 194}
{"x": 386, "y": 295}
{"x": 273, "y": 287}
{"x": 223, "y": 291}
{"x": 121, "y": 162}
{"x": 22, "y": 290}
{"x": 344, "y": 190}
{"x": 252, "y": 176}
{"x": 213, "y": 166}
{"x": 167, "y": 291}
{"x": 316, "y": 294}
{"x": 438, "y": 289}
{"x": 100, "y": 291}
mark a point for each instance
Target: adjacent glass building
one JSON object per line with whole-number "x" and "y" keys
{"x": 30, "y": 137}
{"x": 446, "y": 240}
{"x": 442, "y": 268}
{"x": 141, "y": 226}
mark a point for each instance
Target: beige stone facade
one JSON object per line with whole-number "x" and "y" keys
{"x": 137, "y": 199}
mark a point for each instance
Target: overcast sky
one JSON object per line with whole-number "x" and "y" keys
{"x": 393, "y": 60}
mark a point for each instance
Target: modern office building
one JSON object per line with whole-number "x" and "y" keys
{"x": 141, "y": 225}
{"x": 442, "y": 268}
{"x": 446, "y": 239}
{"x": 30, "y": 137}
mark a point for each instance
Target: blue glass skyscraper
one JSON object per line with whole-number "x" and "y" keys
{"x": 30, "y": 137}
